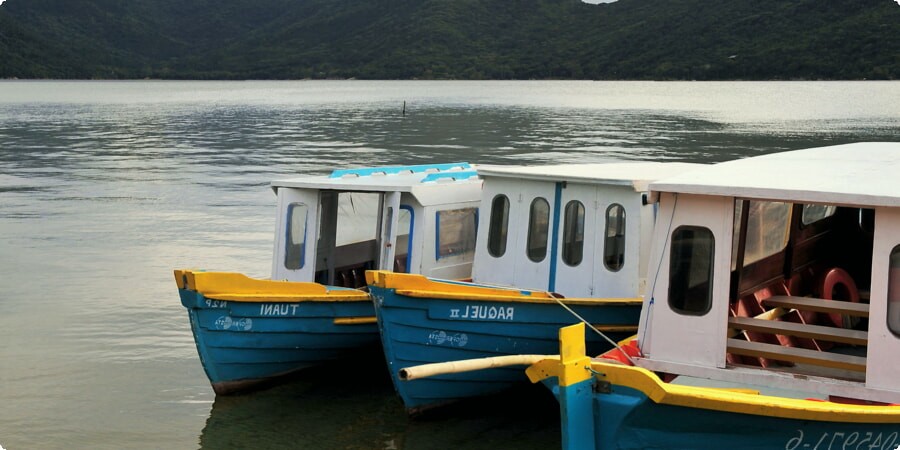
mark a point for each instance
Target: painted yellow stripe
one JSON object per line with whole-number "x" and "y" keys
{"x": 267, "y": 298}
{"x": 355, "y": 320}
{"x": 416, "y": 282}
{"x": 743, "y": 403}
{"x": 238, "y": 287}
{"x": 511, "y": 297}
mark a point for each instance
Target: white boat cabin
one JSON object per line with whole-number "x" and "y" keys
{"x": 412, "y": 219}
{"x": 780, "y": 270}
{"x": 581, "y": 230}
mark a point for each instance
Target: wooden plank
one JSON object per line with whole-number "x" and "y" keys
{"x": 819, "y": 305}
{"x": 799, "y": 355}
{"x": 830, "y": 334}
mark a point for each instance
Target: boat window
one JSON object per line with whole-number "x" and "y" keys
{"x": 295, "y": 250}
{"x": 614, "y": 245}
{"x": 691, "y": 270}
{"x": 893, "y": 310}
{"x": 456, "y": 232}
{"x": 357, "y": 217}
{"x": 404, "y": 239}
{"x": 815, "y": 213}
{"x": 573, "y": 233}
{"x": 768, "y": 229}
{"x": 497, "y": 230}
{"x": 538, "y": 226}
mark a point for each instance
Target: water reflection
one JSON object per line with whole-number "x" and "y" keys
{"x": 353, "y": 406}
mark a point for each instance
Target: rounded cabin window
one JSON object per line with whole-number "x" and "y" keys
{"x": 497, "y": 229}
{"x": 691, "y": 270}
{"x": 614, "y": 241}
{"x": 538, "y": 226}
{"x": 573, "y": 233}
{"x": 295, "y": 239}
{"x": 893, "y": 309}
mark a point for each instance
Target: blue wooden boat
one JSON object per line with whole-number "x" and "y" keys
{"x": 774, "y": 320}
{"x": 537, "y": 233}
{"x": 617, "y": 406}
{"x": 330, "y": 229}
{"x": 250, "y": 332}
{"x": 426, "y": 321}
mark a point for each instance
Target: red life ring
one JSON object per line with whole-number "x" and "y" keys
{"x": 840, "y": 280}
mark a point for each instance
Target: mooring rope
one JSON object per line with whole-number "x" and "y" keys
{"x": 589, "y": 325}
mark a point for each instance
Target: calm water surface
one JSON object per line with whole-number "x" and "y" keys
{"x": 105, "y": 187}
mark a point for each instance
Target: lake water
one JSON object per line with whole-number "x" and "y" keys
{"x": 105, "y": 187}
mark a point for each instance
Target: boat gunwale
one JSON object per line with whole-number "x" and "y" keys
{"x": 724, "y": 400}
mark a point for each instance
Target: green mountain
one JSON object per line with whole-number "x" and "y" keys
{"x": 467, "y": 39}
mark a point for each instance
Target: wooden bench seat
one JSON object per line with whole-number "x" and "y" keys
{"x": 830, "y": 334}
{"x": 819, "y": 305}
{"x": 797, "y": 355}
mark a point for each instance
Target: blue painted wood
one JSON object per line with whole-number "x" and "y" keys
{"x": 417, "y": 331}
{"x": 391, "y": 170}
{"x": 577, "y": 415}
{"x": 626, "y": 419}
{"x": 450, "y": 175}
{"x": 242, "y": 344}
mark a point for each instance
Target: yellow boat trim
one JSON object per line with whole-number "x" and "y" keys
{"x": 355, "y": 320}
{"x": 419, "y": 286}
{"x": 239, "y": 287}
{"x": 572, "y": 365}
{"x": 738, "y": 401}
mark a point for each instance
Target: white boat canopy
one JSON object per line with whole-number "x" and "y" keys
{"x": 863, "y": 173}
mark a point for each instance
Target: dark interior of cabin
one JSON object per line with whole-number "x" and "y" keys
{"x": 799, "y": 287}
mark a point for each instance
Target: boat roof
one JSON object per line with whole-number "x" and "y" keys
{"x": 385, "y": 179}
{"x": 860, "y": 174}
{"x": 638, "y": 175}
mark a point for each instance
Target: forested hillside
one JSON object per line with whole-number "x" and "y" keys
{"x": 462, "y": 39}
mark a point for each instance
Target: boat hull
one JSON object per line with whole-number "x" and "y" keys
{"x": 247, "y": 344}
{"x": 618, "y": 406}
{"x": 626, "y": 418}
{"x": 420, "y": 330}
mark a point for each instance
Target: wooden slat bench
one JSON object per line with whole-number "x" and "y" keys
{"x": 830, "y": 334}
{"x": 797, "y": 355}
{"x": 819, "y": 305}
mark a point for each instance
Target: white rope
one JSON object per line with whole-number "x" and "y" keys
{"x": 614, "y": 344}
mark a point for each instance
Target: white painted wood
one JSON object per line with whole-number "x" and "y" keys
{"x": 852, "y": 174}
{"x": 599, "y": 185}
{"x": 578, "y": 280}
{"x": 666, "y": 335}
{"x": 390, "y": 213}
{"x": 486, "y": 267}
{"x": 311, "y": 200}
{"x": 883, "y": 371}
{"x": 637, "y": 175}
{"x": 429, "y": 193}
{"x": 530, "y": 274}
{"x": 625, "y": 281}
